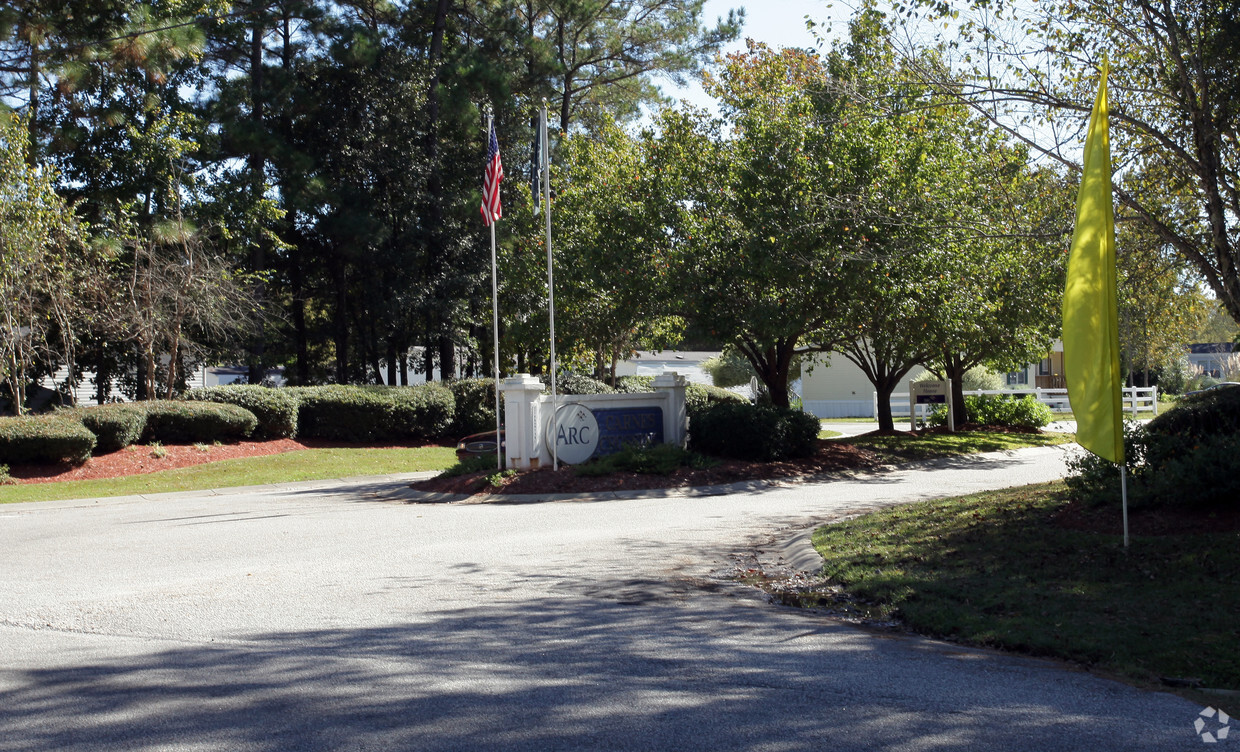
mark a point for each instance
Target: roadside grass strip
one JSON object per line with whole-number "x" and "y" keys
{"x": 906, "y": 447}
{"x": 306, "y": 464}
{"x": 994, "y": 569}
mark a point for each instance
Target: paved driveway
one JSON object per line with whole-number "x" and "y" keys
{"x": 340, "y": 618}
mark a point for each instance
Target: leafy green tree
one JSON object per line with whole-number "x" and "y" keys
{"x": 40, "y": 265}
{"x": 1172, "y": 91}
{"x": 611, "y": 286}
{"x": 760, "y": 241}
{"x": 1160, "y": 305}
{"x": 606, "y": 54}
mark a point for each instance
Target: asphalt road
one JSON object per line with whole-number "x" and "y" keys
{"x": 341, "y": 618}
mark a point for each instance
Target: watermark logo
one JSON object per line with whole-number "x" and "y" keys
{"x": 1212, "y": 725}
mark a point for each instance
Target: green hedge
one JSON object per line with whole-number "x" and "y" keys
{"x": 44, "y": 438}
{"x": 474, "y": 408}
{"x": 998, "y": 410}
{"x": 753, "y": 432}
{"x": 698, "y": 397}
{"x": 275, "y": 409}
{"x": 1184, "y": 457}
{"x": 374, "y": 413}
{"x": 116, "y": 425}
{"x": 575, "y": 384}
{"x": 179, "y": 422}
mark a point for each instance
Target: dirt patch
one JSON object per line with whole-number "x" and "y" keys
{"x": 140, "y": 458}
{"x": 831, "y": 456}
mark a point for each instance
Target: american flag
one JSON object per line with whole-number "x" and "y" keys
{"x": 490, "y": 182}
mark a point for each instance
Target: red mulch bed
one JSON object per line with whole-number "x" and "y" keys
{"x": 138, "y": 458}
{"x": 830, "y": 457}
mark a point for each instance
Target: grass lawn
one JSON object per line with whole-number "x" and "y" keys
{"x": 906, "y": 447}
{"x": 307, "y": 464}
{"x": 993, "y": 570}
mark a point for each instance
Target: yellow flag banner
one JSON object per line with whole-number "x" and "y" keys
{"x": 1090, "y": 317}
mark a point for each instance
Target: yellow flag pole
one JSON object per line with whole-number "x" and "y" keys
{"x": 1090, "y": 310}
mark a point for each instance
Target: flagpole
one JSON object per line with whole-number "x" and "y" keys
{"x": 544, "y": 169}
{"x": 1123, "y": 491}
{"x": 499, "y": 443}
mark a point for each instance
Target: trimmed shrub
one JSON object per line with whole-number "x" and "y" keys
{"x": 998, "y": 410}
{"x": 374, "y": 413}
{"x": 1210, "y": 413}
{"x": 1197, "y": 473}
{"x": 698, "y": 397}
{"x": 753, "y": 432}
{"x": 1186, "y": 456}
{"x": 634, "y": 384}
{"x": 178, "y": 422}
{"x": 116, "y": 425}
{"x": 421, "y": 412}
{"x": 344, "y": 413}
{"x": 474, "y": 408}
{"x": 44, "y": 438}
{"x": 1096, "y": 481}
{"x": 275, "y": 408}
{"x": 574, "y": 384}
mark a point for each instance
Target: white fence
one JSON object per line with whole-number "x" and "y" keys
{"x": 1135, "y": 398}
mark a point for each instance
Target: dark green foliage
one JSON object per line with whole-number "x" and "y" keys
{"x": 1186, "y": 456}
{"x": 1208, "y": 413}
{"x": 115, "y": 426}
{"x": 657, "y": 459}
{"x": 177, "y": 422}
{"x": 575, "y": 384}
{"x": 474, "y": 409}
{"x": 753, "y": 432}
{"x": 275, "y": 409}
{"x": 998, "y": 410}
{"x": 1096, "y": 481}
{"x": 357, "y": 413}
{"x": 44, "y": 438}
{"x": 421, "y": 412}
{"x": 698, "y": 397}
{"x": 634, "y": 384}
{"x": 1201, "y": 473}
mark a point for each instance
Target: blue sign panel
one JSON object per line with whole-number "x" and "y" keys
{"x": 633, "y": 425}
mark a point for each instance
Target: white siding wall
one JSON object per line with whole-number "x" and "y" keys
{"x": 836, "y": 388}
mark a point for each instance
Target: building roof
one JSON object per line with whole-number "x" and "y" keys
{"x": 1211, "y": 347}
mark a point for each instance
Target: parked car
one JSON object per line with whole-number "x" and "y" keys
{"x": 478, "y": 444}
{"x": 1220, "y": 385}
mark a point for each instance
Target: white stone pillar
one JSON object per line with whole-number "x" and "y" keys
{"x": 521, "y": 420}
{"x": 675, "y": 415}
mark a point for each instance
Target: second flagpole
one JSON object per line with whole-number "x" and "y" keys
{"x": 544, "y": 171}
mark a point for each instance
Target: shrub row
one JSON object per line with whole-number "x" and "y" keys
{"x": 347, "y": 413}
{"x": 44, "y": 438}
{"x": 753, "y": 432}
{"x": 998, "y": 410}
{"x": 1186, "y": 456}
{"x": 374, "y": 413}
{"x": 74, "y": 434}
{"x": 275, "y": 409}
{"x": 697, "y": 396}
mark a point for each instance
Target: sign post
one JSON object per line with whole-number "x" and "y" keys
{"x": 931, "y": 393}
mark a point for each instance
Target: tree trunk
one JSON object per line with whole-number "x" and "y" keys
{"x": 438, "y": 333}
{"x": 341, "y": 321}
{"x": 954, "y": 368}
{"x": 447, "y": 356}
{"x": 257, "y": 164}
